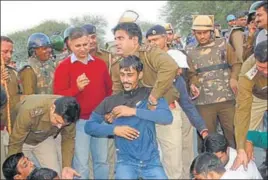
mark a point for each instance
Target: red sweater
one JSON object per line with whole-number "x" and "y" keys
{"x": 99, "y": 87}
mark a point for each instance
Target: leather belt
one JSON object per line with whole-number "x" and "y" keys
{"x": 213, "y": 67}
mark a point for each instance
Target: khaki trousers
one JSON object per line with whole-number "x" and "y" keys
{"x": 259, "y": 106}
{"x": 169, "y": 138}
{"x": 225, "y": 112}
{"x": 187, "y": 145}
{"x": 46, "y": 154}
{"x": 4, "y": 148}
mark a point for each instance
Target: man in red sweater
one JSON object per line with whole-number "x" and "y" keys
{"x": 86, "y": 78}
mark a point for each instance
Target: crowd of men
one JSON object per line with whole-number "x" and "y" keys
{"x": 129, "y": 111}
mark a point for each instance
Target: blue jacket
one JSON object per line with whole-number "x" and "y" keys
{"x": 145, "y": 146}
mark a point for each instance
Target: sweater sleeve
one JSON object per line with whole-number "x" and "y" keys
{"x": 161, "y": 115}
{"x": 95, "y": 126}
{"x": 259, "y": 139}
{"x": 62, "y": 84}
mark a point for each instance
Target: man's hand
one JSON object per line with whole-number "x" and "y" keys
{"x": 68, "y": 173}
{"x": 204, "y": 134}
{"x": 109, "y": 118}
{"x": 249, "y": 150}
{"x": 233, "y": 85}
{"x": 241, "y": 159}
{"x": 123, "y": 111}
{"x": 179, "y": 71}
{"x": 82, "y": 81}
{"x": 195, "y": 91}
{"x": 153, "y": 100}
{"x": 126, "y": 132}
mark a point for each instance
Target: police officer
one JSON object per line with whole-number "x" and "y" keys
{"x": 170, "y": 35}
{"x": 58, "y": 50}
{"x": 231, "y": 20}
{"x": 40, "y": 119}
{"x": 252, "y": 30}
{"x": 159, "y": 72}
{"x": 237, "y": 35}
{"x": 251, "y": 99}
{"x": 37, "y": 76}
{"x": 8, "y": 75}
{"x": 215, "y": 76}
{"x": 66, "y": 35}
{"x": 156, "y": 35}
{"x": 94, "y": 47}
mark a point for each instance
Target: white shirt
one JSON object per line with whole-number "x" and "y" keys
{"x": 234, "y": 175}
{"x": 262, "y": 36}
{"x": 252, "y": 170}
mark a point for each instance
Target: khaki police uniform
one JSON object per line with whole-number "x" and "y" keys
{"x": 237, "y": 40}
{"x": 14, "y": 91}
{"x": 37, "y": 77}
{"x": 251, "y": 101}
{"x": 35, "y": 136}
{"x": 214, "y": 67}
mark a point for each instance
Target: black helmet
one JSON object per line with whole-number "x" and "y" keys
{"x": 37, "y": 40}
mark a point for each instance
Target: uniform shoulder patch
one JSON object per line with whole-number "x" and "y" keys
{"x": 104, "y": 51}
{"x": 9, "y": 67}
{"x": 36, "y": 112}
{"x": 252, "y": 72}
{"x": 24, "y": 67}
{"x": 147, "y": 48}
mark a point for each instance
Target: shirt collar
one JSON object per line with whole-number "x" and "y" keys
{"x": 74, "y": 58}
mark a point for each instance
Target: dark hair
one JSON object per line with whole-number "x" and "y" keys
{"x": 131, "y": 61}
{"x": 3, "y": 97}
{"x": 192, "y": 168}
{"x": 42, "y": 173}
{"x": 7, "y": 39}
{"x": 132, "y": 30}
{"x": 77, "y": 32}
{"x": 214, "y": 143}
{"x": 264, "y": 4}
{"x": 68, "y": 108}
{"x": 207, "y": 162}
{"x": 260, "y": 52}
{"x": 9, "y": 167}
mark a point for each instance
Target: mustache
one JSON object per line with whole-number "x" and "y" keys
{"x": 127, "y": 83}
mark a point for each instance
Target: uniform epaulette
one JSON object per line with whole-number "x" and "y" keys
{"x": 104, "y": 50}
{"x": 9, "y": 67}
{"x": 24, "y": 67}
{"x": 237, "y": 27}
{"x": 36, "y": 112}
{"x": 252, "y": 72}
{"x": 147, "y": 48}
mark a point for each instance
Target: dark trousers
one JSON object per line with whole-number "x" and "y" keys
{"x": 225, "y": 112}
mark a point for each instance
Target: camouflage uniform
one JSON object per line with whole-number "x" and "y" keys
{"x": 214, "y": 66}
{"x": 59, "y": 57}
{"x": 37, "y": 77}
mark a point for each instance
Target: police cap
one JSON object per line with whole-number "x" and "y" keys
{"x": 156, "y": 30}
{"x": 91, "y": 29}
